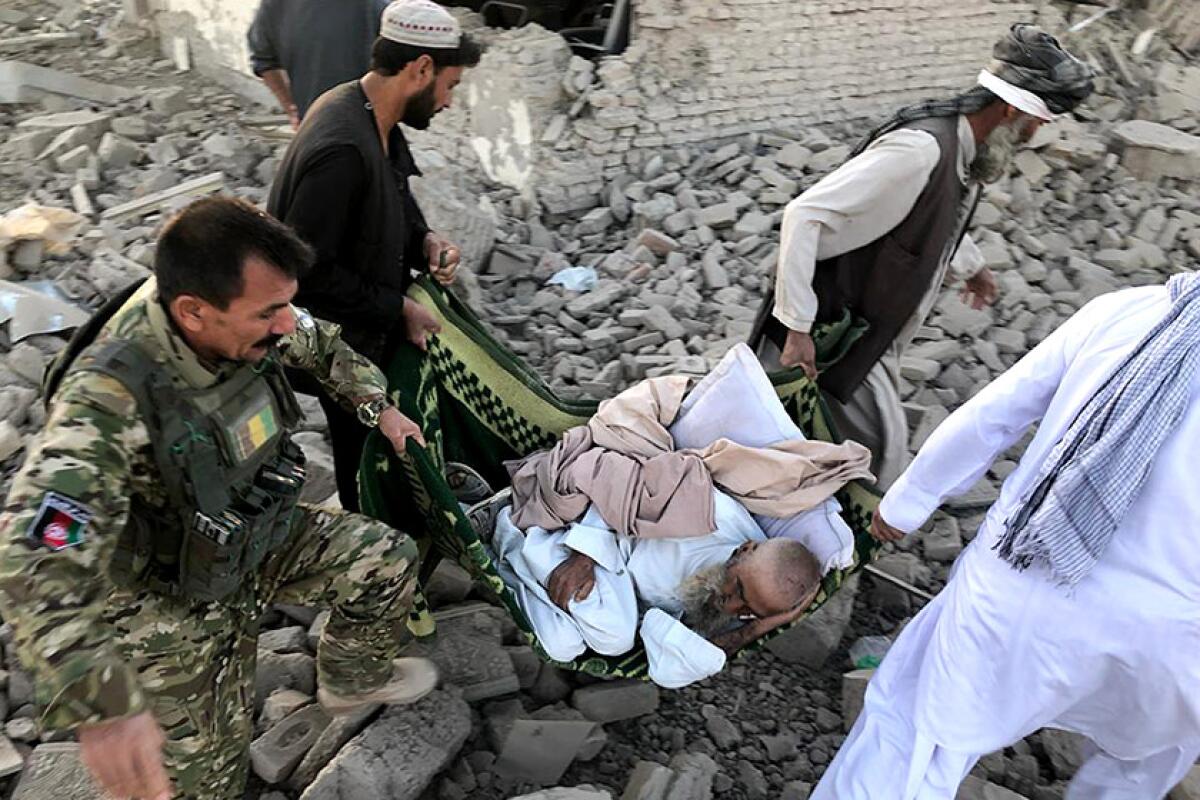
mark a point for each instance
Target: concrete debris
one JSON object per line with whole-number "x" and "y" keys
{"x": 341, "y": 729}
{"x": 283, "y": 671}
{"x": 35, "y": 41}
{"x": 564, "y": 793}
{"x": 319, "y": 481}
{"x": 620, "y": 176}
{"x": 55, "y": 770}
{"x": 1189, "y": 789}
{"x": 649, "y": 781}
{"x": 469, "y": 654}
{"x": 616, "y": 700}
{"x": 33, "y": 308}
{"x": 281, "y": 703}
{"x": 55, "y": 228}
{"x": 1064, "y": 749}
{"x": 278, "y": 751}
{"x": 399, "y": 754}
{"x": 541, "y": 750}
{"x": 854, "y": 688}
{"x": 1152, "y": 151}
{"x": 10, "y": 440}
{"x": 11, "y": 760}
{"x": 975, "y": 789}
{"x": 182, "y": 193}
{"x": 21, "y": 82}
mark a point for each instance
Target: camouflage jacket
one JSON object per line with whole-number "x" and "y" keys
{"x": 70, "y": 500}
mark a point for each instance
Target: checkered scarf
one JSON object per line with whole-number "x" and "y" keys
{"x": 1028, "y": 58}
{"x": 1097, "y": 469}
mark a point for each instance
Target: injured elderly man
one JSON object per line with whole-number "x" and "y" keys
{"x": 698, "y": 520}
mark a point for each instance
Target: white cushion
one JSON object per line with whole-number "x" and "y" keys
{"x": 735, "y": 401}
{"x": 822, "y": 530}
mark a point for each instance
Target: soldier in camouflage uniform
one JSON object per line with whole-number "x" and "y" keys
{"x": 112, "y": 652}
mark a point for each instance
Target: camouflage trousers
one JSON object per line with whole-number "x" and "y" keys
{"x": 197, "y": 660}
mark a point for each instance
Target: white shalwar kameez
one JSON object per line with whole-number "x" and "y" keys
{"x": 1001, "y": 653}
{"x": 631, "y": 575}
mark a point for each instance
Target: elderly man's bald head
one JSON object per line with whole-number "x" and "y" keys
{"x": 760, "y": 580}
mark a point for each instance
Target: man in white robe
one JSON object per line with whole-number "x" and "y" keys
{"x": 890, "y": 191}
{"x": 586, "y": 586}
{"x": 1108, "y": 650}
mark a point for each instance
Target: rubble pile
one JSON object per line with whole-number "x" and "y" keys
{"x": 101, "y": 138}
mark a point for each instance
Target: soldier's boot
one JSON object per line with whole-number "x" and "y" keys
{"x": 412, "y": 679}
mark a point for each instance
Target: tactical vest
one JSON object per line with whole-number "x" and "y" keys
{"x": 225, "y": 455}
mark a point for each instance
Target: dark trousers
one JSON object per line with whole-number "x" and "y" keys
{"x": 347, "y": 435}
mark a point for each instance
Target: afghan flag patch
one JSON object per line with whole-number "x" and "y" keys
{"x": 60, "y": 522}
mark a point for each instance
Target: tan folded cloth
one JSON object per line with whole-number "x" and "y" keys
{"x": 625, "y": 462}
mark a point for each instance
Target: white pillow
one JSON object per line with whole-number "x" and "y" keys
{"x": 735, "y": 401}
{"x": 822, "y": 530}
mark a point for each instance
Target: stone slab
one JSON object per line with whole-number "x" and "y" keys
{"x": 278, "y": 751}
{"x": 1152, "y": 151}
{"x": 541, "y": 750}
{"x": 399, "y": 754}
{"x": 21, "y": 82}
{"x": 341, "y": 729}
{"x": 468, "y": 652}
{"x": 55, "y": 771}
{"x": 616, "y": 700}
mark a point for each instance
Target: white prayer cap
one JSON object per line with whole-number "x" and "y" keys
{"x": 420, "y": 23}
{"x": 1015, "y": 96}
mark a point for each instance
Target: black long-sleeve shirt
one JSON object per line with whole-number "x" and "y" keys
{"x": 337, "y": 189}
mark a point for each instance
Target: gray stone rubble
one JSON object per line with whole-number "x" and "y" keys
{"x": 683, "y": 250}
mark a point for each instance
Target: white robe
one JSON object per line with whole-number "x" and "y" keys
{"x": 628, "y": 571}
{"x": 607, "y": 620}
{"x": 1001, "y": 653}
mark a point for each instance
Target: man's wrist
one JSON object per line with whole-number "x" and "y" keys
{"x": 792, "y": 323}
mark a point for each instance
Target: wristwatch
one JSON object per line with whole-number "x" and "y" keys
{"x": 368, "y": 411}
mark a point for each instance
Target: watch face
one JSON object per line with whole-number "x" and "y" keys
{"x": 368, "y": 413}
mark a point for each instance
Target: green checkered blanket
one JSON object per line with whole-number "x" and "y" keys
{"x": 480, "y": 405}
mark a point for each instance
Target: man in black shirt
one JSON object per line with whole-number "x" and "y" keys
{"x": 343, "y": 186}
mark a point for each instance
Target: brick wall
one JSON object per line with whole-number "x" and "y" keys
{"x": 703, "y": 70}
{"x": 696, "y": 71}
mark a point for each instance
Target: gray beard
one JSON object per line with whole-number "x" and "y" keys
{"x": 995, "y": 154}
{"x": 700, "y": 596}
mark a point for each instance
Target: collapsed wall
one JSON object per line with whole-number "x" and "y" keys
{"x": 557, "y": 127}
{"x": 703, "y": 71}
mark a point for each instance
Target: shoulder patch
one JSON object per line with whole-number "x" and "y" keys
{"x": 60, "y": 522}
